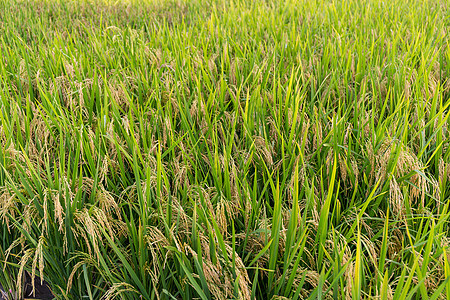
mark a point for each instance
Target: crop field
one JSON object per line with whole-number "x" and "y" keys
{"x": 225, "y": 149}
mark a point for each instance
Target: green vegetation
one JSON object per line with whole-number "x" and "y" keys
{"x": 229, "y": 150}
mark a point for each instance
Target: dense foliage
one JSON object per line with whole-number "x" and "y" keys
{"x": 238, "y": 149}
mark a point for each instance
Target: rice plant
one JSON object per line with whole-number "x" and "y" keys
{"x": 268, "y": 149}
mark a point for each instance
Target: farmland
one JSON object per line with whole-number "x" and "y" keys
{"x": 175, "y": 149}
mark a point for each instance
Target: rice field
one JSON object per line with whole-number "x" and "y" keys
{"x": 267, "y": 149}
